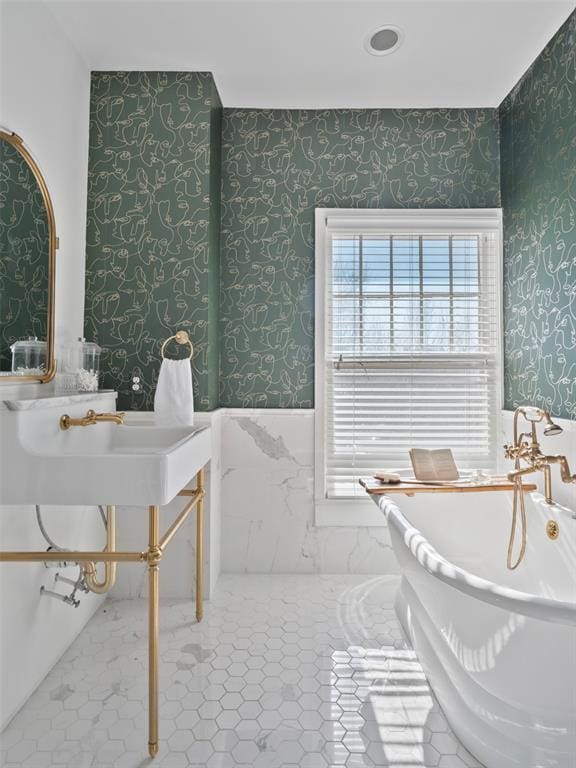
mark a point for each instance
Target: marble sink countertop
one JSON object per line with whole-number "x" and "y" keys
{"x": 51, "y": 400}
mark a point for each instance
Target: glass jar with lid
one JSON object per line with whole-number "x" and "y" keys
{"x": 29, "y": 357}
{"x": 80, "y": 366}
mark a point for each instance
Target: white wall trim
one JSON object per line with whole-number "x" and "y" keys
{"x": 321, "y": 240}
{"x": 409, "y": 220}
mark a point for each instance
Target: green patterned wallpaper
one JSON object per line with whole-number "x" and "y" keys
{"x": 538, "y": 170}
{"x": 277, "y": 167}
{"x": 153, "y": 229}
{"x": 24, "y": 240}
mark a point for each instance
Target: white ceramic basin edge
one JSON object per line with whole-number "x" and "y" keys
{"x": 101, "y": 464}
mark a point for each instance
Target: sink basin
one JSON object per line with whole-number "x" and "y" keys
{"x": 104, "y": 463}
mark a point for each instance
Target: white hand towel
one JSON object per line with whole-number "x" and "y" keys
{"x": 174, "y": 399}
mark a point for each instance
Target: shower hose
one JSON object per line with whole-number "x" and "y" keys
{"x": 518, "y": 498}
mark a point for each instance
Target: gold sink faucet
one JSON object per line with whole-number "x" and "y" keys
{"x": 526, "y": 448}
{"x": 91, "y": 418}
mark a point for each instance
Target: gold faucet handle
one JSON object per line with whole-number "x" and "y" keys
{"x": 67, "y": 421}
{"x": 510, "y": 451}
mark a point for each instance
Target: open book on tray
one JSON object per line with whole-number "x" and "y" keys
{"x": 437, "y": 466}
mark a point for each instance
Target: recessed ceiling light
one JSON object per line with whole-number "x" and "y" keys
{"x": 384, "y": 40}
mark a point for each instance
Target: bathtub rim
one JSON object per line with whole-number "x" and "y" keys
{"x": 509, "y": 599}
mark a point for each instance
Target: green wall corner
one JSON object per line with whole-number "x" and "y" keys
{"x": 538, "y": 172}
{"x": 152, "y": 242}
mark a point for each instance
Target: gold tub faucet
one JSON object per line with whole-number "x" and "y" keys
{"x": 91, "y": 418}
{"x": 527, "y": 448}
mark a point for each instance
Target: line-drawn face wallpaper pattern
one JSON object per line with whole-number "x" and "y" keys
{"x": 152, "y": 247}
{"x": 538, "y": 158}
{"x": 24, "y": 241}
{"x": 277, "y": 166}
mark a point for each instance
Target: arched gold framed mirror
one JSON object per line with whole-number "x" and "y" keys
{"x": 28, "y": 245}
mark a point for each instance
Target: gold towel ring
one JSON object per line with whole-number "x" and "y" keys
{"x": 181, "y": 337}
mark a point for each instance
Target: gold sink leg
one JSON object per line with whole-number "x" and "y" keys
{"x": 154, "y": 556}
{"x": 200, "y": 480}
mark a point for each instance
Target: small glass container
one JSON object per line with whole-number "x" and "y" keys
{"x": 80, "y": 366}
{"x": 29, "y": 357}
{"x": 89, "y": 370}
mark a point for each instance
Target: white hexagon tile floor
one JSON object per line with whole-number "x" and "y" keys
{"x": 283, "y": 672}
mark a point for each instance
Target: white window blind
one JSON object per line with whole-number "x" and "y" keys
{"x": 411, "y": 351}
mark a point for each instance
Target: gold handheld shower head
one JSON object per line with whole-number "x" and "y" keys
{"x": 535, "y": 415}
{"x": 551, "y": 428}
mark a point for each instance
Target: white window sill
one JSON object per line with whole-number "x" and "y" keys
{"x": 348, "y": 513}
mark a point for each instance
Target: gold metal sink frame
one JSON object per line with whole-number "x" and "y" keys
{"x": 152, "y": 557}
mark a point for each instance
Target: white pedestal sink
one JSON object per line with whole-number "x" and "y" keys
{"x": 109, "y": 464}
{"x": 104, "y": 463}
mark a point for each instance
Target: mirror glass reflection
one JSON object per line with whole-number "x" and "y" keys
{"x": 24, "y": 267}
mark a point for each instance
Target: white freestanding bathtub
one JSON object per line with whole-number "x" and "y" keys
{"x": 498, "y": 646}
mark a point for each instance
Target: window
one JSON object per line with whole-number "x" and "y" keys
{"x": 407, "y": 340}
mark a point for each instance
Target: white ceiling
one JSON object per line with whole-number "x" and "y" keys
{"x": 309, "y": 53}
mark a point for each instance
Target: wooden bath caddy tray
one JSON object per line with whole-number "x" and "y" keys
{"x": 376, "y": 488}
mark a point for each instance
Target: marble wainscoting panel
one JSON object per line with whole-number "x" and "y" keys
{"x": 268, "y": 502}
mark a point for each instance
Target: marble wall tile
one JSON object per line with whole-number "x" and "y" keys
{"x": 268, "y": 502}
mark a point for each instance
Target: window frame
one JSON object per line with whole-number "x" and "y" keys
{"x": 363, "y": 512}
